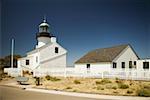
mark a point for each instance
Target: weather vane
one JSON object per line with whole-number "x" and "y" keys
{"x": 44, "y": 18}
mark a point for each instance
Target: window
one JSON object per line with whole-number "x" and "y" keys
{"x": 56, "y": 49}
{"x": 134, "y": 63}
{"x": 27, "y": 62}
{"x": 123, "y": 64}
{"x": 130, "y": 64}
{"x": 114, "y": 65}
{"x": 145, "y": 65}
{"x": 88, "y": 66}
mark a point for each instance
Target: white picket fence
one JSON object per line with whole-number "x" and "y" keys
{"x": 71, "y": 72}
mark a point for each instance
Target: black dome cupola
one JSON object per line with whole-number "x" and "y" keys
{"x": 44, "y": 29}
{"x": 44, "y": 35}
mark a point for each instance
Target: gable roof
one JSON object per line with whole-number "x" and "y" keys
{"x": 36, "y": 49}
{"x": 43, "y": 47}
{"x": 102, "y": 54}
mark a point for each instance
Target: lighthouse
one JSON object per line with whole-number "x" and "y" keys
{"x": 47, "y": 54}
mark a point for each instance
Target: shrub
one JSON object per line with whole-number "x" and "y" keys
{"x": 117, "y": 78}
{"x": 129, "y": 91}
{"x": 30, "y": 73}
{"x": 68, "y": 87}
{"x": 100, "y": 88}
{"x": 77, "y": 82}
{"x": 123, "y": 86}
{"x": 146, "y": 87}
{"x": 131, "y": 82}
{"x": 98, "y": 82}
{"x": 26, "y": 72}
{"x": 118, "y": 81}
{"x": 56, "y": 89}
{"x": 143, "y": 92}
{"x": 114, "y": 87}
{"x": 1, "y": 79}
{"x": 47, "y": 77}
{"x": 52, "y": 78}
{"x": 103, "y": 81}
{"x": 74, "y": 91}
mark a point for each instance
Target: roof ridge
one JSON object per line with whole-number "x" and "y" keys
{"x": 114, "y": 46}
{"x": 102, "y": 54}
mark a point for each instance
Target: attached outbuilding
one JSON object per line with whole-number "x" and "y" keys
{"x": 119, "y": 57}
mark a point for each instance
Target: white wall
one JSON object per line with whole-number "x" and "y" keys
{"x": 140, "y": 64}
{"x": 126, "y": 56}
{"x": 57, "y": 62}
{"x": 94, "y": 67}
{"x": 49, "y": 52}
{"x": 46, "y": 58}
{"x": 32, "y": 61}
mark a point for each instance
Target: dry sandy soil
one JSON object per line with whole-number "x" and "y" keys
{"x": 93, "y": 85}
{"x": 89, "y": 85}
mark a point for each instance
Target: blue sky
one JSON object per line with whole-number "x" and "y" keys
{"x": 79, "y": 25}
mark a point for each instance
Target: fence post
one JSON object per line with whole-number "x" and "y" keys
{"x": 102, "y": 74}
{"x": 65, "y": 73}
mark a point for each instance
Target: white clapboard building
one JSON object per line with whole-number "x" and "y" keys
{"x": 116, "y": 58}
{"x": 48, "y": 54}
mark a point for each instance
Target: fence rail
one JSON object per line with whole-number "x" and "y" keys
{"x": 70, "y": 72}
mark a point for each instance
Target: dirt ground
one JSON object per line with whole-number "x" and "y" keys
{"x": 87, "y": 85}
{"x": 93, "y": 85}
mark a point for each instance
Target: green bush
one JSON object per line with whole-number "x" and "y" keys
{"x": 114, "y": 87}
{"x": 26, "y": 72}
{"x": 74, "y": 90}
{"x": 100, "y": 88}
{"x": 52, "y": 78}
{"x": 143, "y": 92}
{"x": 77, "y": 82}
{"x": 123, "y": 86}
{"x": 146, "y": 87}
{"x": 68, "y": 87}
{"x": 1, "y": 79}
{"x": 103, "y": 81}
{"x": 48, "y": 77}
{"x": 118, "y": 80}
{"x": 129, "y": 91}
{"x": 98, "y": 82}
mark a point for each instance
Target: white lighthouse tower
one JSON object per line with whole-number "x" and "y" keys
{"x": 44, "y": 36}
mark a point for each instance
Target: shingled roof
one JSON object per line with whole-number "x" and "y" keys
{"x": 102, "y": 54}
